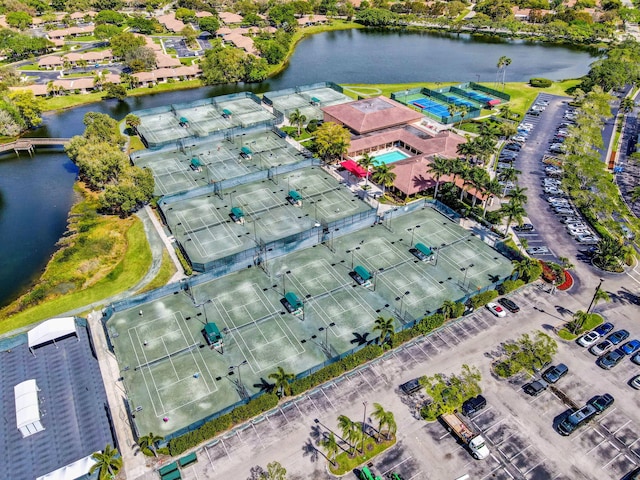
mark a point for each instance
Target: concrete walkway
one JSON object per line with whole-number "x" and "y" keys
{"x": 167, "y": 244}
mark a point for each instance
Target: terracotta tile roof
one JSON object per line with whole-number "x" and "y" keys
{"x": 51, "y": 61}
{"x": 230, "y": 18}
{"x": 164, "y": 73}
{"x": 65, "y": 32}
{"x": 164, "y": 61}
{"x": 370, "y": 114}
{"x": 204, "y": 14}
{"x": 444, "y": 143}
{"x": 312, "y": 19}
{"x": 223, "y": 31}
{"x": 412, "y": 176}
{"x": 171, "y": 23}
{"x": 241, "y": 41}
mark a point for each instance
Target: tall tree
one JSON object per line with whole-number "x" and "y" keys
{"x": 108, "y": 463}
{"x": 366, "y": 162}
{"x": 513, "y": 211}
{"x": 296, "y": 118}
{"x": 331, "y": 447}
{"x": 385, "y": 327}
{"x": 384, "y": 176}
{"x": 517, "y": 195}
{"x": 148, "y": 442}
{"x": 283, "y": 381}
{"x": 332, "y": 141}
{"x": 438, "y": 168}
{"x": 348, "y": 429}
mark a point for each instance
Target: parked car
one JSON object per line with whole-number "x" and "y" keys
{"x": 611, "y": 359}
{"x": 576, "y": 419}
{"x": 588, "y": 239}
{"x": 525, "y": 227}
{"x": 535, "y": 388}
{"x": 411, "y": 387}
{"x": 537, "y": 250}
{"x": 496, "y": 309}
{"x": 564, "y": 211}
{"x": 509, "y": 305}
{"x": 520, "y": 138}
{"x": 588, "y": 339}
{"x": 555, "y": 373}
{"x": 474, "y": 405}
{"x": 630, "y": 347}
{"x": 636, "y": 358}
{"x": 618, "y": 336}
{"x": 635, "y": 382}
{"x": 603, "y": 328}
{"x": 601, "y": 402}
{"x": 601, "y": 348}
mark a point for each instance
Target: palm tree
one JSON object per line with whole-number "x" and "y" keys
{"x": 566, "y": 263}
{"x": 127, "y": 79}
{"x": 608, "y": 254}
{"x": 627, "y": 105}
{"x": 149, "y": 442}
{"x": 466, "y": 174}
{"x": 503, "y": 63}
{"x": 479, "y": 178}
{"x": 526, "y": 267}
{"x": 578, "y": 321}
{"x": 108, "y": 463}
{"x": 392, "y": 427}
{"x": 452, "y": 109}
{"x": 508, "y": 175}
{"x": 384, "y": 176}
{"x": 600, "y": 296}
{"x": 513, "y": 211}
{"x": 467, "y": 149}
{"x": 366, "y": 162}
{"x": 132, "y": 121}
{"x": 517, "y": 195}
{"x": 348, "y": 427}
{"x": 464, "y": 110}
{"x": 331, "y": 447}
{"x": 296, "y": 118}
{"x": 447, "y": 308}
{"x": 386, "y": 328}
{"x": 283, "y": 381}
{"x": 491, "y": 189}
{"x": 438, "y": 169}
{"x": 380, "y": 414}
{"x": 507, "y": 62}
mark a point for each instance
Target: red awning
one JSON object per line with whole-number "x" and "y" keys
{"x": 354, "y": 168}
{"x": 494, "y": 102}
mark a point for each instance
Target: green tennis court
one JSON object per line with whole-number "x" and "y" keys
{"x": 309, "y": 103}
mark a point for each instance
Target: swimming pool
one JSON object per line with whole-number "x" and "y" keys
{"x": 389, "y": 157}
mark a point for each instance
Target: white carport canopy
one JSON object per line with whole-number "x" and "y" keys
{"x": 27, "y": 409}
{"x": 51, "y": 330}
{"x": 72, "y": 471}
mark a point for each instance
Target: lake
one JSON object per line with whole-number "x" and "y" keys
{"x": 36, "y": 194}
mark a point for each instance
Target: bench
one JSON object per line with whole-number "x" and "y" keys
{"x": 175, "y": 475}
{"x": 188, "y": 460}
{"x": 167, "y": 469}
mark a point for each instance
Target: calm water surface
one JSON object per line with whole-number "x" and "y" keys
{"x": 36, "y": 194}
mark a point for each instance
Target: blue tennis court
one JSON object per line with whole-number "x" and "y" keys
{"x": 459, "y": 101}
{"x": 478, "y": 96}
{"x": 431, "y": 106}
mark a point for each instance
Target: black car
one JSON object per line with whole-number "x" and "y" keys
{"x": 474, "y": 405}
{"x": 411, "y": 387}
{"x": 555, "y": 373}
{"x": 509, "y": 305}
{"x": 535, "y": 388}
{"x": 525, "y": 227}
{"x": 611, "y": 359}
{"x": 601, "y": 402}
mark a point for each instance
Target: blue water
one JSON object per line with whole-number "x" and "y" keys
{"x": 390, "y": 157}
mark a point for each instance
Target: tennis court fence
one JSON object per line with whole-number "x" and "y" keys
{"x": 490, "y": 91}
{"x": 269, "y": 96}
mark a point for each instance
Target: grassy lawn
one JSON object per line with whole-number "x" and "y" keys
{"x": 346, "y": 463}
{"x": 135, "y": 144}
{"x": 592, "y": 322}
{"x": 293, "y": 132}
{"x": 167, "y": 269}
{"x": 106, "y": 255}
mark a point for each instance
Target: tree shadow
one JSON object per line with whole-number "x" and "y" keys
{"x": 265, "y": 386}
{"x": 563, "y": 311}
{"x": 310, "y": 450}
{"x": 360, "y": 339}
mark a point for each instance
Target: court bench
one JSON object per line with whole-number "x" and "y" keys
{"x": 188, "y": 460}
{"x": 170, "y": 472}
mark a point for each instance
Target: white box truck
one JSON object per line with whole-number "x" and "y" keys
{"x": 474, "y": 442}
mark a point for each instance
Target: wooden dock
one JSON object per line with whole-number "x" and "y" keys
{"x": 29, "y": 144}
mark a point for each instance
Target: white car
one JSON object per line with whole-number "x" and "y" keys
{"x": 588, "y": 239}
{"x": 582, "y": 232}
{"x": 537, "y": 250}
{"x": 576, "y": 225}
{"x": 600, "y": 348}
{"x": 588, "y": 339}
{"x": 520, "y": 138}
{"x": 496, "y": 309}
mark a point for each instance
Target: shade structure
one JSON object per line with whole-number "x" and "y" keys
{"x": 51, "y": 330}
{"x": 212, "y": 333}
{"x": 27, "y": 408}
{"x": 74, "y": 470}
{"x": 424, "y": 249}
{"x": 246, "y": 150}
{"x": 237, "y": 212}
{"x": 227, "y": 112}
{"x": 184, "y": 120}
{"x": 354, "y": 168}
{"x": 363, "y": 272}
{"x": 494, "y": 102}
{"x": 196, "y": 162}
{"x": 295, "y": 196}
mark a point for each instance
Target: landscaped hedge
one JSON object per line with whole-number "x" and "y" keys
{"x": 509, "y": 286}
{"x": 484, "y": 298}
{"x": 218, "y": 425}
{"x": 540, "y": 82}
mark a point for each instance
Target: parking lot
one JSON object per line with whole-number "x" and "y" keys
{"x": 519, "y": 429}
{"x": 550, "y": 238}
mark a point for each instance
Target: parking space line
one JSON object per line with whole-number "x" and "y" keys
{"x": 396, "y": 466}
{"x": 419, "y": 345}
{"x": 328, "y": 399}
{"x": 603, "y": 440}
{"x": 624, "y": 425}
{"x": 365, "y": 379}
{"x": 606, "y": 464}
{"x": 312, "y": 403}
{"x": 284, "y": 415}
{"x": 225, "y": 447}
{"x": 437, "y": 349}
{"x": 258, "y": 435}
{"x": 206, "y": 450}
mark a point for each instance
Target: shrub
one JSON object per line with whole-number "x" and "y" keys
{"x": 312, "y": 126}
{"x": 483, "y": 298}
{"x": 509, "y": 286}
{"x": 540, "y": 82}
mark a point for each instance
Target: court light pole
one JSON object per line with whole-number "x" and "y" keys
{"x": 202, "y": 305}
{"x": 401, "y": 299}
{"x": 352, "y": 251}
{"x": 413, "y": 232}
{"x": 239, "y": 382}
{"x": 466, "y": 271}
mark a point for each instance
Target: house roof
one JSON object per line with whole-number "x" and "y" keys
{"x": 370, "y": 114}
{"x": 163, "y": 73}
{"x": 171, "y": 22}
{"x": 166, "y": 61}
{"x": 229, "y": 18}
{"x": 241, "y": 41}
{"x": 50, "y": 61}
{"x": 204, "y": 14}
{"x": 311, "y": 19}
